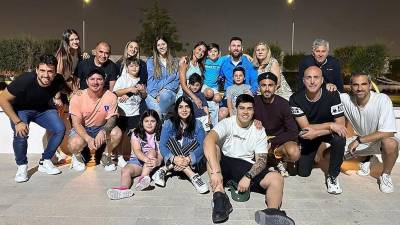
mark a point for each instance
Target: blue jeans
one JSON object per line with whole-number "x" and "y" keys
{"x": 167, "y": 99}
{"x": 49, "y": 120}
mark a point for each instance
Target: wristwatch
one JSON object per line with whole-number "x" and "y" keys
{"x": 248, "y": 175}
{"x": 358, "y": 139}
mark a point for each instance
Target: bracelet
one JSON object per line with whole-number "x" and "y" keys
{"x": 18, "y": 122}
{"x": 358, "y": 140}
{"x": 215, "y": 172}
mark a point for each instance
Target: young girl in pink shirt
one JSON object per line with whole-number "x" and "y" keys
{"x": 144, "y": 158}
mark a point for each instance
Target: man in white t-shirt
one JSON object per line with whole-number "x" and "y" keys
{"x": 374, "y": 123}
{"x": 236, "y": 150}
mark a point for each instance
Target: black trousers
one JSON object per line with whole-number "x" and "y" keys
{"x": 309, "y": 149}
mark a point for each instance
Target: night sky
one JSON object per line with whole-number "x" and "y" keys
{"x": 342, "y": 22}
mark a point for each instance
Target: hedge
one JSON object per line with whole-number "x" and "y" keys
{"x": 21, "y": 54}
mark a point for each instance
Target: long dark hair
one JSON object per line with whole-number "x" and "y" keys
{"x": 191, "y": 120}
{"x": 201, "y": 61}
{"x": 64, "y": 51}
{"x": 139, "y": 130}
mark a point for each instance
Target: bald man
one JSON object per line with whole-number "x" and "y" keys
{"x": 320, "y": 115}
{"x": 101, "y": 62}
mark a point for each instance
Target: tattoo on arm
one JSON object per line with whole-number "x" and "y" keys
{"x": 111, "y": 123}
{"x": 259, "y": 165}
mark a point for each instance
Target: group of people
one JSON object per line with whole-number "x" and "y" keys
{"x": 177, "y": 120}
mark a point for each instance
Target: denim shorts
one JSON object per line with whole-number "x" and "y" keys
{"x": 135, "y": 161}
{"x": 91, "y": 131}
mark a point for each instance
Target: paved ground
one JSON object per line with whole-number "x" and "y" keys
{"x": 79, "y": 198}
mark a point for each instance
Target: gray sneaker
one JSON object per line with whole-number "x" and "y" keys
{"x": 107, "y": 162}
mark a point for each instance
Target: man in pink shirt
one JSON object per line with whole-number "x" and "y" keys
{"x": 94, "y": 114}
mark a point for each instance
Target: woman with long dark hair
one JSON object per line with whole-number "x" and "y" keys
{"x": 195, "y": 64}
{"x": 163, "y": 80}
{"x": 181, "y": 145}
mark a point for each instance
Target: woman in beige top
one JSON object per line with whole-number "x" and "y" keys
{"x": 264, "y": 62}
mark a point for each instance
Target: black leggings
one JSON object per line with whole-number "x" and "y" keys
{"x": 309, "y": 149}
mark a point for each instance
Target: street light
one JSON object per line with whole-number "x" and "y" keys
{"x": 292, "y": 5}
{"x": 84, "y": 4}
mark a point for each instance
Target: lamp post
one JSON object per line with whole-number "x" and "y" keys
{"x": 292, "y": 5}
{"x": 84, "y": 4}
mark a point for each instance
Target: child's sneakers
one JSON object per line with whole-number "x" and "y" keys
{"x": 119, "y": 193}
{"x": 143, "y": 183}
{"x": 159, "y": 177}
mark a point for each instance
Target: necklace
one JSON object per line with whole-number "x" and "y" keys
{"x": 319, "y": 96}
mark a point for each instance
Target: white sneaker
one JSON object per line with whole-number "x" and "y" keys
{"x": 159, "y": 177}
{"x": 385, "y": 183}
{"x": 199, "y": 184}
{"x": 61, "y": 157}
{"x": 77, "y": 163}
{"x": 46, "y": 166}
{"x": 364, "y": 169}
{"x": 333, "y": 185}
{"x": 143, "y": 183}
{"x": 282, "y": 169}
{"x": 22, "y": 174}
{"x": 119, "y": 193}
{"x": 121, "y": 161}
{"x": 107, "y": 162}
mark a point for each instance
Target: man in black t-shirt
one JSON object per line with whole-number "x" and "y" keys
{"x": 274, "y": 113}
{"x": 100, "y": 61}
{"x": 28, "y": 99}
{"x": 320, "y": 115}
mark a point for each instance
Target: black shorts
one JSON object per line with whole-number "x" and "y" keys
{"x": 126, "y": 123}
{"x": 234, "y": 169}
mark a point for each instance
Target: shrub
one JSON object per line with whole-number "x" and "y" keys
{"x": 291, "y": 62}
{"x": 21, "y": 54}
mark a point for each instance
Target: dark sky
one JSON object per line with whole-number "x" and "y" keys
{"x": 342, "y": 22}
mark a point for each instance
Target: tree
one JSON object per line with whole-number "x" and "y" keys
{"x": 157, "y": 22}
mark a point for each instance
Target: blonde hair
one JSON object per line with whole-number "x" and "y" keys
{"x": 267, "y": 59}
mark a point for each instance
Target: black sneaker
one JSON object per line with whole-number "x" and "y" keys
{"x": 273, "y": 217}
{"x": 221, "y": 207}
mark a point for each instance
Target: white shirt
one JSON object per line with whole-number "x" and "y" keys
{"x": 376, "y": 115}
{"x": 238, "y": 142}
{"x": 131, "y": 106}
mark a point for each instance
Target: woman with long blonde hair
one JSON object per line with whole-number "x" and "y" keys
{"x": 264, "y": 62}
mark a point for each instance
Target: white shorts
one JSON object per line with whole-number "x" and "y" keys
{"x": 366, "y": 149}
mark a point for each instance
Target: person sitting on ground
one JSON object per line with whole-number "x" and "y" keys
{"x": 94, "y": 116}
{"x": 236, "y": 89}
{"x": 130, "y": 94}
{"x": 202, "y": 114}
{"x": 26, "y": 100}
{"x": 274, "y": 113}
{"x": 374, "y": 123}
{"x": 236, "y": 150}
{"x": 145, "y": 156}
{"x": 319, "y": 113}
{"x": 181, "y": 145}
